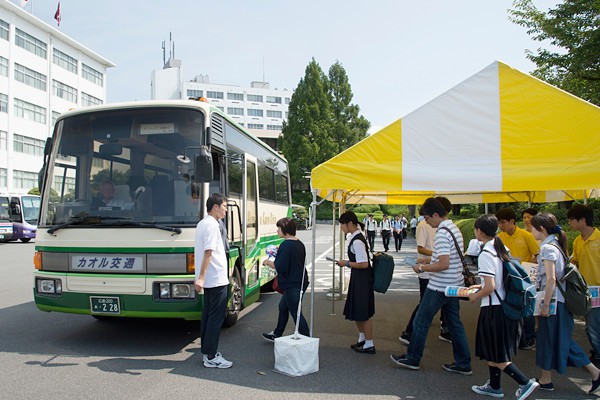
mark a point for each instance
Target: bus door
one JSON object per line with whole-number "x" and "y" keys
{"x": 250, "y": 212}
{"x": 6, "y": 228}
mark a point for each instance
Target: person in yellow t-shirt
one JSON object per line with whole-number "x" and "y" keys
{"x": 523, "y": 246}
{"x": 586, "y": 255}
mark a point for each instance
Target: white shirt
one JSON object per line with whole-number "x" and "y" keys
{"x": 371, "y": 225}
{"x": 413, "y": 223}
{"x": 490, "y": 265}
{"x": 386, "y": 225}
{"x": 358, "y": 248}
{"x": 208, "y": 237}
{"x": 425, "y": 236}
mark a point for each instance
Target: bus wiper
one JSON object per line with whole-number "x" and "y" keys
{"x": 79, "y": 221}
{"x": 145, "y": 225}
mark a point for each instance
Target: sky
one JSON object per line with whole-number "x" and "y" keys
{"x": 398, "y": 54}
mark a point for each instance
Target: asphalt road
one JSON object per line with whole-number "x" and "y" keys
{"x": 65, "y": 356}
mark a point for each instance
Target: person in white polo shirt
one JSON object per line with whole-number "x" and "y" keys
{"x": 211, "y": 278}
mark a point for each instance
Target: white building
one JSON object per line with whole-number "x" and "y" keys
{"x": 258, "y": 108}
{"x": 42, "y": 74}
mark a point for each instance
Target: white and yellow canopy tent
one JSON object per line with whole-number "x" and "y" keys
{"x": 499, "y": 136}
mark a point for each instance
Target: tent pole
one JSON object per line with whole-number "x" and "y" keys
{"x": 313, "y": 207}
{"x": 585, "y": 196}
{"x": 342, "y": 243}
{"x": 333, "y": 264}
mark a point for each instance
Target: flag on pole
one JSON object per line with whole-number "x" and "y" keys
{"x": 57, "y": 14}
{"x": 24, "y": 3}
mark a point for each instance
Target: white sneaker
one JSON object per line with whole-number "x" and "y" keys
{"x": 217, "y": 362}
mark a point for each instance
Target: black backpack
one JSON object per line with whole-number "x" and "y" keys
{"x": 578, "y": 299}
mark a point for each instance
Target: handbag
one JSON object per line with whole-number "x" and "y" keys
{"x": 469, "y": 278}
{"x": 275, "y": 285}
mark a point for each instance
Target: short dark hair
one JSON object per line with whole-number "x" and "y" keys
{"x": 287, "y": 225}
{"x": 432, "y": 206}
{"x": 530, "y": 211}
{"x": 445, "y": 203}
{"x": 488, "y": 224}
{"x": 506, "y": 214}
{"x": 579, "y": 211}
{"x": 215, "y": 199}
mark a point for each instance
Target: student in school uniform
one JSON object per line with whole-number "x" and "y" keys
{"x": 360, "y": 302}
{"x": 497, "y": 336}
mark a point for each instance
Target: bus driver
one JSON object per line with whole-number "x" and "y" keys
{"x": 105, "y": 199}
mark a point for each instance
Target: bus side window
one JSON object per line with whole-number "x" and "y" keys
{"x": 216, "y": 185}
{"x": 15, "y": 209}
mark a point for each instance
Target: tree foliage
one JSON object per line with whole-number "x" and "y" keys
{"x": 573, "y": 31}
{"x": 322, "y": 121}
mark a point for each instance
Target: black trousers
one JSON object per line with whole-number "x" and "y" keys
{"x": 398, "y": 240}
{"x": 385, "y": 237}
{"x": 213, "y": 315}
{"x": 371, "y": 238}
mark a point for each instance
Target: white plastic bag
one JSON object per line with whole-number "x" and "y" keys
{"x": 296, "y": 355}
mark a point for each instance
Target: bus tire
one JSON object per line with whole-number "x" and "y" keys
{"x": 235, "y": 303}
{"x": 25, "y": 240}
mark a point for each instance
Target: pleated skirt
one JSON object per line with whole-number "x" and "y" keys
{"x": 497, "y": 337}
{"x": 360, "y": 301}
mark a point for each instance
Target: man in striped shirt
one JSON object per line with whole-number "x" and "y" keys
{"x": 445, "y": 269}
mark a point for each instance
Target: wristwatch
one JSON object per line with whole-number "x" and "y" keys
{"x": 347, "y": 264}
{"x": 421, "y": 269}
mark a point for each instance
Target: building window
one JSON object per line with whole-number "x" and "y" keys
{"x": 194, "y": 93}
{"x": 27, "y": 145}
{"x": 92, "y": 75}
{"x": 235, "y": 111}
{"x": 273, "y": 99}
{"x": 30, "y": 77}
{"x": 89, "y": 100}
{"x": 3, "y": 66}
{"x": 235, "y": 96}
{"x": 287, "y": 100}
{"x": 274, "y": 114}
{"x": 69, "y": 184}
{"x": 214, "y": 95}
{"x": 30, "y": 111}
{"x": 3, "y": 178}
{"x": 65, "y": 61}
{"x": 3, "y": 30}
{"x": 30, "y": 43}
{"x": 3, "y": 140}
{"x": 255, "y": 97}
{"x": 24, "y": 179}
{"x": 255, "y": 126}
{"x": 3, "y": 103}
{"x": 253, "y": 112}
{"x": 274, "y": 127}
{"x": 63, "y": 91}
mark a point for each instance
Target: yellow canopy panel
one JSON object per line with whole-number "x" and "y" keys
{"x": 499, "y": 136}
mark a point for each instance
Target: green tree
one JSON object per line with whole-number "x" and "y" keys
{"x": 349, "y": 126}
{"x": 573, "y": 30}
{"x": 322, "y": 122}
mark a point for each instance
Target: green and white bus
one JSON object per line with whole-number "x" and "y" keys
{"x": 123, "y": 188}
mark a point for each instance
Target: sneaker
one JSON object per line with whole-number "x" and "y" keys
{"x": 595, "y": 386}
{"x": 445, "y": 336}
{"x": 405, "y": 338}
{"x": 487, "y": 390}
{"x": 459, "y": 370}
{"x": 217, "y": 362}
{"x": 524, "y": 391}
{"x": 402, "y": 361}
{"x": 528, "y": 345}
{"x": 271, "y": 336}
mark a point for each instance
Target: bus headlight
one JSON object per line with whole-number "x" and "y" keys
{"x": 49, "y": 286}
{"x": 165, "y": 290}
{"x": 183, "y": 291}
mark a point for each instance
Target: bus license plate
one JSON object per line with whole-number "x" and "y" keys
{"x": 105, "y": 305}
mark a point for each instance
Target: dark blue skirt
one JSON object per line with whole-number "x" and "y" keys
{"x": 497, "y": 336}
{"x": 555, "y": 347}
{"x": 360, "y": 301}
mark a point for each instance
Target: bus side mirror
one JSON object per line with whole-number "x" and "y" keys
{"x": 41, "y": 175}
{"x": 203, "y": 169}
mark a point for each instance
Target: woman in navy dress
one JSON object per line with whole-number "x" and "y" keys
{"x": 555, "y": 348}
{"x": 360, "y": 301}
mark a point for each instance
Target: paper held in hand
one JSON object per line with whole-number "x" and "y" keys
{"x": 539, "y": 299}
{"x": 459, "y": 291}
{"x": 595, "y": 292}
{"x": 410, "y": 261}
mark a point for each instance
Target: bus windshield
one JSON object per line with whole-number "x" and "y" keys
{"x": 31, "y": 209}
{"x": 123, "y": 165}
{"x": 4, "y": 209}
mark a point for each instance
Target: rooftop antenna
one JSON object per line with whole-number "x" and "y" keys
{"x": 164, "y": 52}
{"x": 170, "y": 45}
